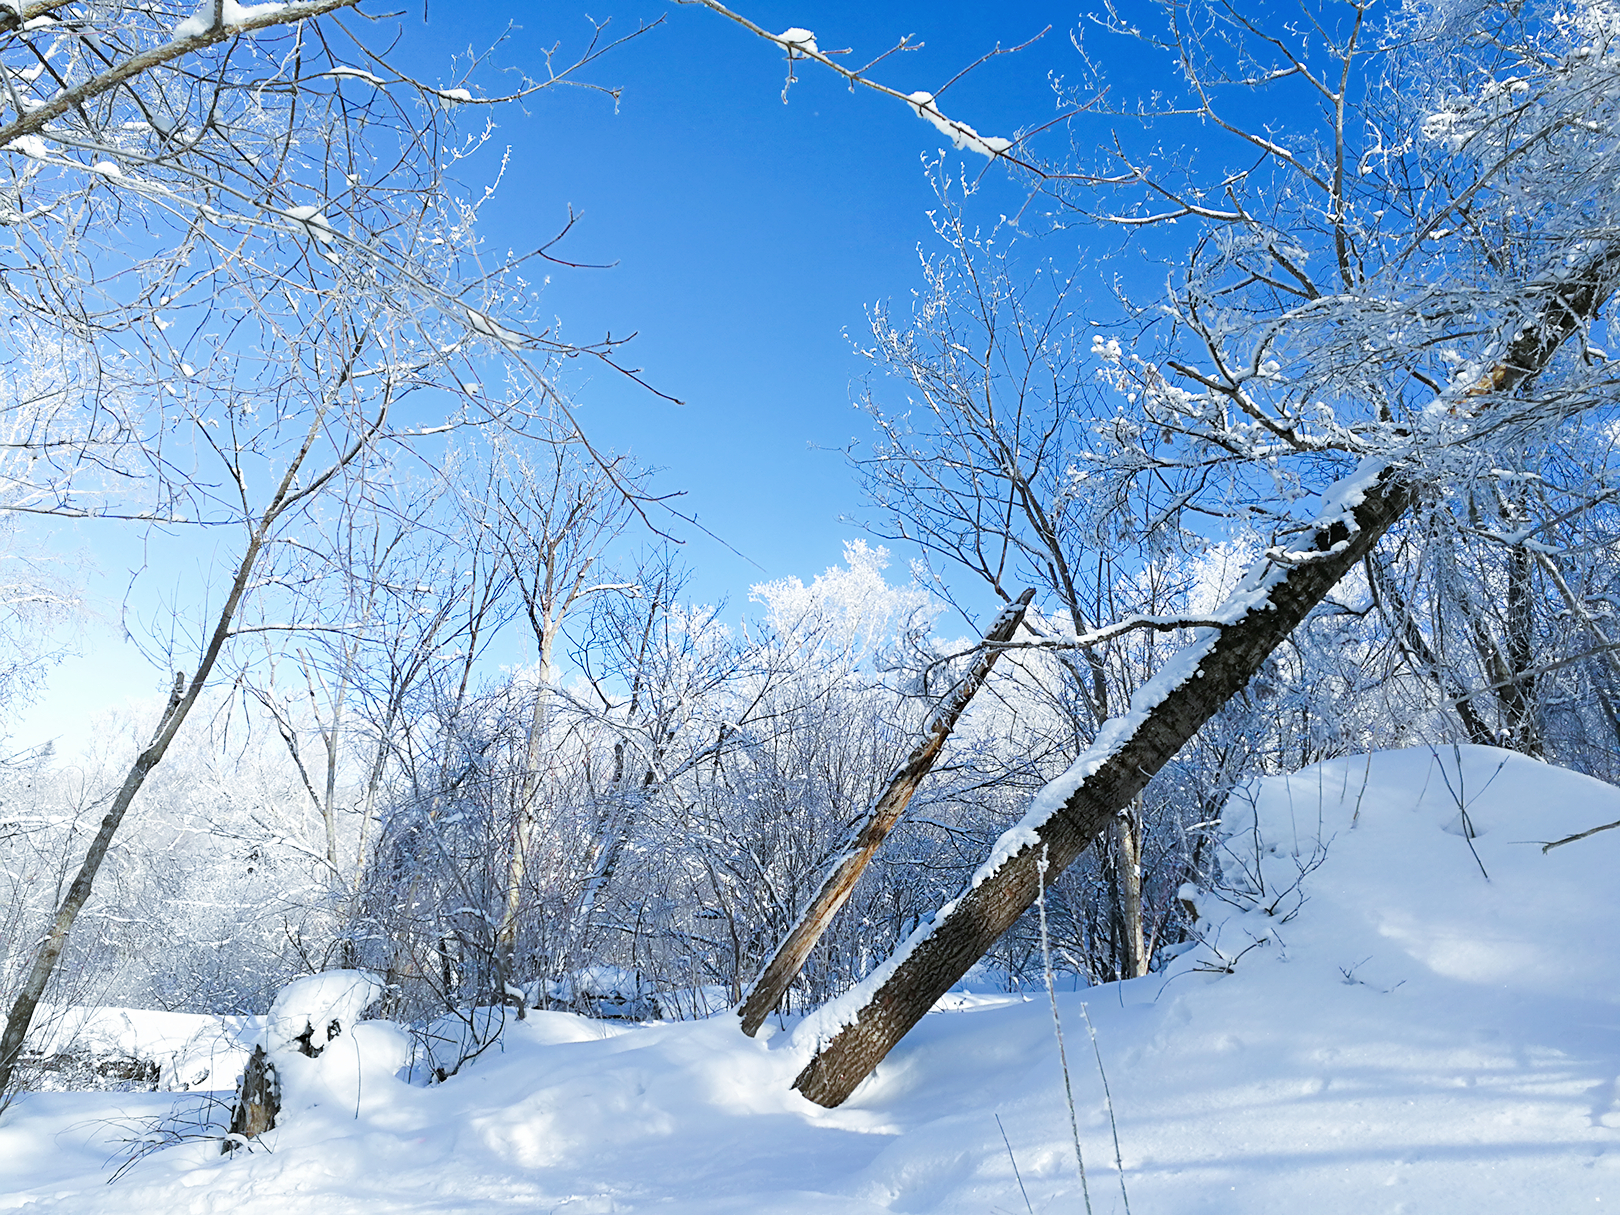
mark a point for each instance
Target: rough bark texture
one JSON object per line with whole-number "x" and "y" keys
{"x": 989, "y": 909}
{"x": 779, "y": 973}
{"x": 257, "y": 1104}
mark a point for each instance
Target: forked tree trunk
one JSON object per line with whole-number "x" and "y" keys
{"x": 1168, "y": 711}
{"x": 779, "y": 973}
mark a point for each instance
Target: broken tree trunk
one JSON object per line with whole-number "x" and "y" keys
{"x": 773, "y": 981}
{"x": 1273, "y": 598}
{"x": 258, "y": 1102}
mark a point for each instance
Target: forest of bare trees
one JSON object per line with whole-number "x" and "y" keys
{"x": 1319, "y": 415}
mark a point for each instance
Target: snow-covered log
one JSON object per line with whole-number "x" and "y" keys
{"x": 855, "y": 1032}
{"x": 861, "y": 1027}
{"x": 784, "y": 966}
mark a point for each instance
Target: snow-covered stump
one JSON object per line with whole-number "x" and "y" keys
{"x": 258, "y": 1101}
{"x": 283, "y": 1072}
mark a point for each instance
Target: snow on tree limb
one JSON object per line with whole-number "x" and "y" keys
{"x": 800, "y": 44}
{"x": 851, "y": 1035}
{"x": 257, "y": 17}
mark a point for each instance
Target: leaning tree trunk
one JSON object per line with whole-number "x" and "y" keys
{"x": 181, "y": 700}
{"x": 836, "y": 887}
{"x": 1270, "y": 602}
{"x": 1168, "y": 711}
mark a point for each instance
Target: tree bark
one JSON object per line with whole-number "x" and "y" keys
{"x": 258, "y": 1102}
{"x": 784, "y": 966}
{"x": 1128, "y": 846}
{"x": 941, "y": 952}
{"x": 1139, "y": 744}
{"x": 1519, "y": 697}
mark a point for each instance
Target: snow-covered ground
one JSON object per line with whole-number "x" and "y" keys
{"x": 1398, "y": 1032}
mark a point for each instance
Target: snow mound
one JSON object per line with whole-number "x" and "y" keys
{"x": 321, "y": 1006}
{"x": 1399, "y": 1003}
{"x": 1424, "y": 867}
{"x": 188, "y": 1050}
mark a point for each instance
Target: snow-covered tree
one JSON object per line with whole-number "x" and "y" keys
{"x": 236, "y": 232}
{"x": 1381, "y": 262}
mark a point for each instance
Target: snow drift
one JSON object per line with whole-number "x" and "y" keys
{"x": 1400, "y": 1003}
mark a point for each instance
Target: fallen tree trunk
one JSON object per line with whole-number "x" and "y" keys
{"x": 773, "y": 981}
{"x": 1063, "y": 822}
{"x": 857, "y": 1030}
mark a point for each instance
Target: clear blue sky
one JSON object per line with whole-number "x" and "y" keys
{"x": 746, "y": 236}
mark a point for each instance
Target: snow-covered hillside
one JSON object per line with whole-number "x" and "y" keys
{"x": 1412, "y": 1008}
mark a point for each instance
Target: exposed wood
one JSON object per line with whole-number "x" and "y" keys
{"x": 773, "y": 981}
{"x": 258, "y": 1102}
{"x": 942, "y": 952}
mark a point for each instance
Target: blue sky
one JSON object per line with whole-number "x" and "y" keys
{"x": 746, "y": 237}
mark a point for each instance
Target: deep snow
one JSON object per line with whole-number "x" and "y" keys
{"x": 1397, "y": 1032}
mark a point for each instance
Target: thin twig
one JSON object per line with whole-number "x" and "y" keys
{"x": 1014, "y": 1161}
{"x": 1108, "y": 1104}
{"x": 1057, "y": 1025}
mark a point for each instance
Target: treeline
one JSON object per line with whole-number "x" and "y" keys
{"x": 629, "y": 829}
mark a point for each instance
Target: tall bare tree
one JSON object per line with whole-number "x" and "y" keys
{"x": 236, "y": 234}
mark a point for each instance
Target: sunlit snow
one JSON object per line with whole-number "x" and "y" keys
{"x": 1370, "y": 1024}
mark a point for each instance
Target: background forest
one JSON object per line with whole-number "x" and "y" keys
{"x": 247, "y": 297}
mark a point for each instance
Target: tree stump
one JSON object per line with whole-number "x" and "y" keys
{"x": 258, "y": 1101}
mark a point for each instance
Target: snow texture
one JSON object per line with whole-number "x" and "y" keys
{"x": 343, "y": 69}
{"x": 797, "y": 39}
{"x": 234, "y": 13}
{"x": 1366, "y": 1026}
{"x": 191, "y": 1050}
{"x": 28, "y": 145}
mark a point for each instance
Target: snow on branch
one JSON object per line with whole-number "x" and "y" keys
{"x": 800, "y": 44}
{"x": 185, "y": 41}
{"x": 962, "y": 135}
{"x": 1127, "y": 624}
